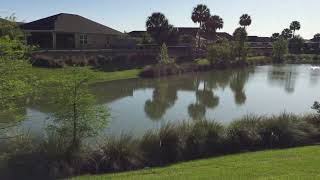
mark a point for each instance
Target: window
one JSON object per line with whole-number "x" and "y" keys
{"x": 83, "y": 39}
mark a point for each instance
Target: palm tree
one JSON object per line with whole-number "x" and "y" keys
{"x": 286, "y": 33}
{"x": 316, "y": 37}
{"x": 245, "y": 20}
{"x": 200, "y": 14}
{"x": 212, "y": 24}
{"x": 158, "y": 27}
{"x": 275, "y": 36}
{"x": 295, "y": 26}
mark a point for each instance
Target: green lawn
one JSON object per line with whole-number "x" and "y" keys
{"x": 100, "y": 75}
{"x": 297, "y": 163}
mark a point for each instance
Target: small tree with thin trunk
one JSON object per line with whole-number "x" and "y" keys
{"x": 77, "y": 116}
{"x": 280, "y": 48}
{"x": 164, "y": 57}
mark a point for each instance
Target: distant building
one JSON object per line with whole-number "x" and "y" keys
{"x": 312, "y": 46}
{"x": 70, "y": 31}
{"x": 259, "y": 46}
{"x": 208, "y": 37}
{"x": 189, "y": 31}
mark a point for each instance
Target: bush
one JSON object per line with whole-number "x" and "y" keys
{"x": 201, "y": 139}
{"x": 171, "y": 143}
{"x": 286, "y": 130}
{"x": 243, "y": 134}
{"x": 161, "y": 147}
{"x": 220, "y": 53}
{"x": 117, "y": 154}
{"x": 280, "y": 48}
{"x": 259, "y": 60}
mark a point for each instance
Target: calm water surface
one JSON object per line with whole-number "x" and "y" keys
{"x": 142, "y": 104}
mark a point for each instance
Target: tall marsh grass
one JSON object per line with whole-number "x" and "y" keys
{"x": 169, "y": 144}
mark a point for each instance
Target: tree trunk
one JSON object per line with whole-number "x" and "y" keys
{"x": 199, "y": 39}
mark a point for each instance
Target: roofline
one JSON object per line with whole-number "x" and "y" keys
{"x": 59, "y": 14}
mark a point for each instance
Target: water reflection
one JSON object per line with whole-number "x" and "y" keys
{"x": 237, "y": 84}
{"x": 138, "y": 104}
{"x": 314, "y": 76}
{"x": 164, "y": 97}
{"x": 284, "y": 76}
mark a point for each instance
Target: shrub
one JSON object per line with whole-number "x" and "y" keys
{"x": 117, "y": 154}
{"x": 161, "y": 147}
{"x": 280, "y": 48}
{"x": 243, "y": 134}
{"x": 220, "y": 53}
{"x": 201, "y": 139}
{"x": 259, "y": 60}
{"x": 160, "y": 70}
{"x": 285, "y": 130}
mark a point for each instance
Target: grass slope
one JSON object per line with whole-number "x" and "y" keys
{"x": 296, "y": 163}
{"x": 101, "y": 76}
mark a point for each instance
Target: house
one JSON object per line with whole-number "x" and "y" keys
{"x": 193, "y": 31}
{"x": 70, "y": 31}
{"x": 259, "y": 46}
{"x": 189, "y": 31}
{"x": 312, "y": 46}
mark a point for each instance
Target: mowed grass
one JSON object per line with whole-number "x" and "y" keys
{"x": 296, "y": 163}
{"x": 100, "y": 76}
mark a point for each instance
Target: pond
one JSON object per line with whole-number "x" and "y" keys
{"x": 138, "y": 105}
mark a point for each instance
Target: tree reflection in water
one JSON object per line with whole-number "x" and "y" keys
{"x": 237, "y": 84}
{"x": 284, "y": 76}
{"x": 164, "y": 97}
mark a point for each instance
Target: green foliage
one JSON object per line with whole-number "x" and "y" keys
{"x": 160, "y": 30}
{"x": 220, "y": 52}
{"x": 164, "y": 57}
{"x": 280, "y": 48}
{"x": 240, "y": 47}
{"x": 212, "y": 24}
{"x": 286, "y": 33}
{"x": 78, "y": 117}
{"x": 9, "y": 28}
{"x": 200, "y": 14}
{"x": 259, "y": 60}
{"x": 316, "y": 37}
{"x": 275, "y": 37}
{"x": 16, "y": 80}
{"x": 296, "y": 44}
{"x": 169, "y": 144}
{"x": 295, "y": 26}
{"x": 245, "y": 20}
{"x": 316, "y": 107}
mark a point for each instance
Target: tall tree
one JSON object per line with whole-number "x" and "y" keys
{"x": 245, "y": 20}
{"x": 316, "y": 37}
{"x": 240, "y": 36}
{"x": 158, "y": 27}
{"x": 286, "y": 33}
{"x": 200, "y": 14}
{"x": 275, "y": 36}
{"x": 295, "y": 26}
{"x": 212, "y": 24}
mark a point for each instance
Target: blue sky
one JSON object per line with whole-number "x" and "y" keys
{"x": 268, "y": 16}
